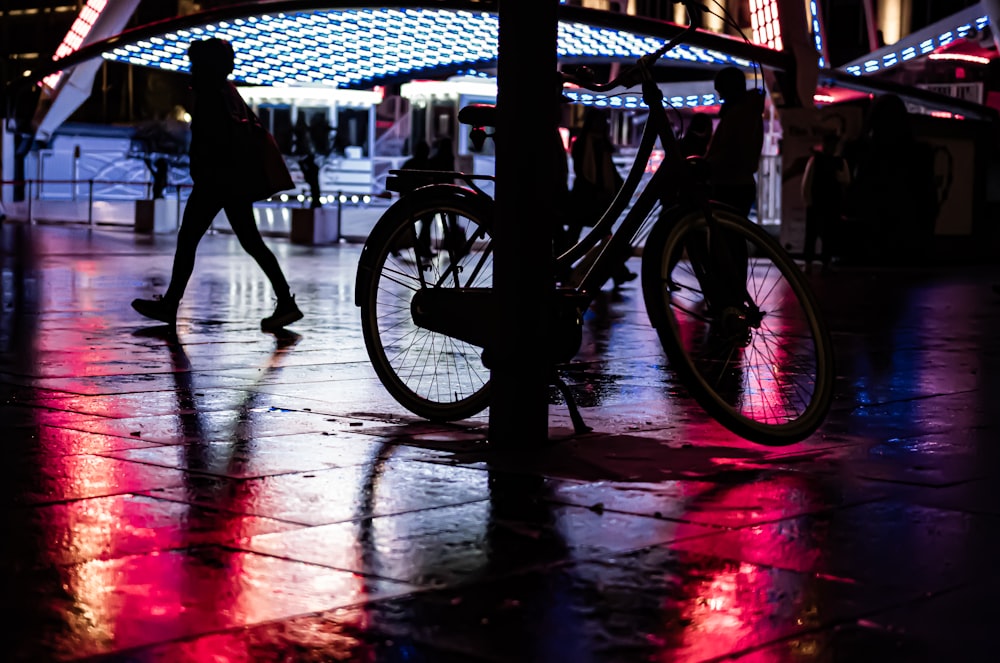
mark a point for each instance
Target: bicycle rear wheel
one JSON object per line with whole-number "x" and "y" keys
{"x": 760, "y": 363}
{"x": 425, "y": 242}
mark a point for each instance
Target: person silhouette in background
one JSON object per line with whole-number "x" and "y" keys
{"x": 306, "y": 155}
{"x": 823, "y": 185}
{"x": 319, "y": 134}
{"x": 419, "y": 161}
{"x": 160, "y": 169}
{"x": 229, "y": 174}
{"x": 733, "y": 156}
{"x": 894, "y": 194}
{"x": 735, "y": 147}
{"x": 303, "y": 143}
{"x": 443, "y": 159}
{"x": 562, "y": 237}
{"x": 596, "y": 180}
{"x": 407, "y": 183}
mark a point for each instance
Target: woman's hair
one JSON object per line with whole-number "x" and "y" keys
{"x": 212, "y": 57}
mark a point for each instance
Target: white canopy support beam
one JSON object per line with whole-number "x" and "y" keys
{"x": 992, "y": 8}
{"x": 925, "y": 41}
{"x": 64, "y": 92}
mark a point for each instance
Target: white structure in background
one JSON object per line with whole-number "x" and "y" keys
{"x": 352, "y": 172}
{"x": 433, "y": 114}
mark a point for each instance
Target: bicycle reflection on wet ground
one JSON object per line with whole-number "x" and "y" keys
{"x": 222, "y": 494}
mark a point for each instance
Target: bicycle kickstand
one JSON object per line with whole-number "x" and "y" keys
{"x": 579, "y": 426}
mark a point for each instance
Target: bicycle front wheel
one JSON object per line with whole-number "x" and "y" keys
{"x": 760, "y": 361}
{"x": 425, "y": 242}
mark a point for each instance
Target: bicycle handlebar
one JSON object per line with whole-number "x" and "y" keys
{"x": 633, "y": 75}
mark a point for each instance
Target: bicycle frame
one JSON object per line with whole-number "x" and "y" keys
{"x": 733, "y": 311}
{"x": 590, "y": 262}
{"x": 603, "y": 248}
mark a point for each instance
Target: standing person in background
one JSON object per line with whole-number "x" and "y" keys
{"x": 234, "y": 161}
{"x": 420, "y": 160}
{"x": 319, "y": 134}
{"x": 307, "y": 160}
{"x": 823, "y": 185}
{"x": 303, "y": 143}
{"x": 442, "y": 158}
{"x": 734, "y": 157}
{"x": 894, "y": 195}
{"x": 562, "y": 239}
{"x": 596, "y": 180}
{"x": 408, "y": 182}
{"x": 734, "y": 151}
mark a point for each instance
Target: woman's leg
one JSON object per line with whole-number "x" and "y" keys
{"x": 201, "y": 209}
{"x": 243, "y": 224}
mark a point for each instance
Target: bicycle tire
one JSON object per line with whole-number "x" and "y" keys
{"x": 769, "y": 380}
{"x": 432, "y": 375}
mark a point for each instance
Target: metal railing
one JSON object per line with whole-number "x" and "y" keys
{"x": 31, "y": 199}
{"x": 353, "y": 211}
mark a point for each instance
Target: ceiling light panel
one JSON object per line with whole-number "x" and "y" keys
{"x": 355, "y": 48}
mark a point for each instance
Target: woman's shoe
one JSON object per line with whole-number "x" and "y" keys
{"x": 157, "y": 309}
{"x": 285, "y": 313}
{"x": 623, "y": 276}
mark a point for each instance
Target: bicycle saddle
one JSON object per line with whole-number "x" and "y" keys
{"x": 478, "y": 115}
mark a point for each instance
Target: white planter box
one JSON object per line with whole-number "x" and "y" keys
{"x": 156, "y": 216}
{"x": 318, "y": 225}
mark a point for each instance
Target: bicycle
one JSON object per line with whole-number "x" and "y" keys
{"x": 733, "y": 312}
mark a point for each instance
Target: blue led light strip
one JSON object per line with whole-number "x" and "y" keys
{"x": 635, "y": 100}
{"x": 922, "y": 42}
{"x": 817, "y": 31}
{"x": 360, "y": 47}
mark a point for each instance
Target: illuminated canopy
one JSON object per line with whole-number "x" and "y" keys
{"x": 961, "y": 25}
{"x": 304, "y": 43}
{"x": 300, "y": 43}
{"x": 362, "y": 47}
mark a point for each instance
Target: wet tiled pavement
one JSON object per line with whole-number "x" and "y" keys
{"x": 228, "y": 495}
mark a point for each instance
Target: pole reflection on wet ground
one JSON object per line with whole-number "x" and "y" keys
{"x": 222, "y": 494}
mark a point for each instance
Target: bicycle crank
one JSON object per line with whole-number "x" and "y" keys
{"x": 466, "y": 314}
{"x": 470, "y": 315}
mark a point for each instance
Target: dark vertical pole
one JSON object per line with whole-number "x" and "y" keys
{"x": 527, "y": 96}
{"x": 5, "y": 68}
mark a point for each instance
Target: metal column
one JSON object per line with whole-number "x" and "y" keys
{"x": 527, "y": 96}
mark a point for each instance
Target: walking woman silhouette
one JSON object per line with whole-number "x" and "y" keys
{"x": 234, "y": 161}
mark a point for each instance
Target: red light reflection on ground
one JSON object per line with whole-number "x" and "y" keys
{"x": 728, "y": 604}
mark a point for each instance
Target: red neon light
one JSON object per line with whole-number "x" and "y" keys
{"x": 765, "y": 24}
{"x": 959, "y": 57}
{"x": 77, "y": 33}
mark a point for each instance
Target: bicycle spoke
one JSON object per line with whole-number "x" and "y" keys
{"x": 432, "y": 374}
{"x": 750, "y": 344}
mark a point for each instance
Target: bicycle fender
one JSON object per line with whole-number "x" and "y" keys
{"x": 429, "y": 195}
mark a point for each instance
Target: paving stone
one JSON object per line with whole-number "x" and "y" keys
{"x": 217, "y": 493}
